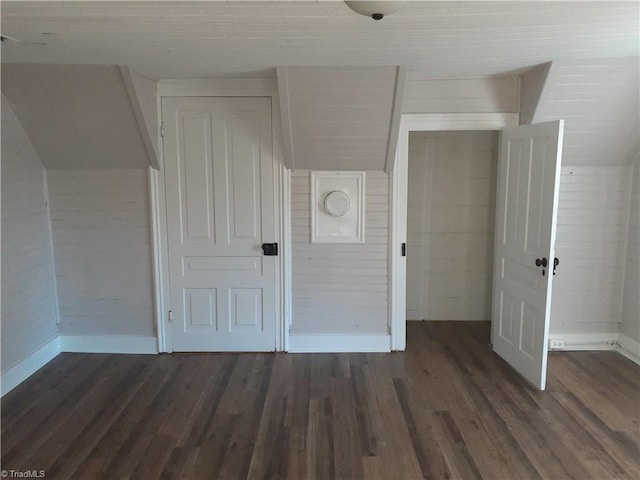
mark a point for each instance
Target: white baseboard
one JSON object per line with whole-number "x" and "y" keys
{"x": 598, "y": 342}
{"x": 586, "y": 341}
{"x": 29, "y": 365}
{"x": 629, "y": 348}
{"x": 329, "y": 343}
{"x": 109, "y": 344}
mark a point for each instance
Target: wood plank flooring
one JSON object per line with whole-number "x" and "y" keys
{"x": 447, "y": 408}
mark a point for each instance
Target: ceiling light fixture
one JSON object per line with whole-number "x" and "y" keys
{"x": 375, "y": 10}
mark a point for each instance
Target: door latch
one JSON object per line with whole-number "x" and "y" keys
{"x": 556, "y": 262}
{"x": 270, "y": 249}
{"x": 542, "y": 262}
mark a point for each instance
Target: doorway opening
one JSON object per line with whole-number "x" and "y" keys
{"x": 421, "y": 123}
{"x": 526, "y": 193}
{"x": 450, "y": 224}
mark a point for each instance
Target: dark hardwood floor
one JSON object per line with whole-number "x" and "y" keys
{"x": 447, "y": 408}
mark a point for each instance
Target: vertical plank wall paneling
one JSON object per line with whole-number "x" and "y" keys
{"x": 340, "y": 288}
{"x": 101, "y": 238}
{"x": 630, "y": 325}
{"x": 592, "y": 226}
{"x": 28, "y": 288}
{"x": 450, "y": 223}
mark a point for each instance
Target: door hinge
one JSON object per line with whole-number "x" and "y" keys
{"x": 404, "y": 249}
{"x": 170, "y": 316}
{"x": 162, "y": 129}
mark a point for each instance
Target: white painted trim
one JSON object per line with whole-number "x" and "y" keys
{"x": 108, "y": 344}
{"x": 159, "y": 259}
{"x": 398, "y": 199}
{"x": 396, "y": 117}
{"x": 578, "y": 342}
{"x": 285, "y": 116}
{"x": 54, "y": 279}
{"x": 282, "y": 182}
{"x": 625, "y": 246}
{"x": 29, "y": 365}
{"x": 398, "y": 232}
{"x": 287, "y": 260}
{"x": 329, "y": 343}
{"x": 594, "y": 342}
{"x": 279, "y": 212}
{"x": 134, "y": 102}
{"x": 628, "y": 347}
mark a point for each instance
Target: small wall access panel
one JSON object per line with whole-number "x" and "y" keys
{"x": 337, "y": 207}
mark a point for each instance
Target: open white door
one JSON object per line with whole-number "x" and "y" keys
{"x": 527, "y": 195}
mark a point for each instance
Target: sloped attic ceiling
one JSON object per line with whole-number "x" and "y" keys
{"x": 340, "y": 118}
{"x": 600, "y": 103}
{"x": 195, "y": 39}
{"x": 82, "y": 116}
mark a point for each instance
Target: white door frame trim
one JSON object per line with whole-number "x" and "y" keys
{"x": 420, "y": 122}
{"x": 282, "y": 202}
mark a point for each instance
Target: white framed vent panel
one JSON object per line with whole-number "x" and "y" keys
{"x": 337, "y": 207}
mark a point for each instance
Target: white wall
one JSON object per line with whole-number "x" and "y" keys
{"x": 532, "y": 86}
{"x": 340, "y": 288}
{"x": 462, "y": 95}
{"x": 101, "y": 238}
{"x": 592, "y": 227}
{"x": 599, "y": 102}
{"x": 630, "y": 325}
{"x": 29, "y": 310}
{"x": 76, "y": 116}
{"x": 450, "y": 223}
{"x": 337, "y": 118}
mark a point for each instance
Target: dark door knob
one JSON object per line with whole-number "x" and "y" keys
{"x": 541, "y": 262}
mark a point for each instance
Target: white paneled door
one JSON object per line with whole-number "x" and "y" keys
{"x": 220, "y": 211}
{"x": 528, "y": 183}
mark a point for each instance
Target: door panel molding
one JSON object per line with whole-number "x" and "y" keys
{"x": 281, "y": 198}
{"x": 526, "y": 216}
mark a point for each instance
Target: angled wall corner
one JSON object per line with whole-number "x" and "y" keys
{"x": 340, "y": 118}
{"x": 599, "y": 101}
{"x": 533, "y": 83}
{"x": 143, "y": 93}
{"x": 76, "y": 116}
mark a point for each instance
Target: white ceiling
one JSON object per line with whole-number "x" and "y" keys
{"x": 231, "y": 39}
